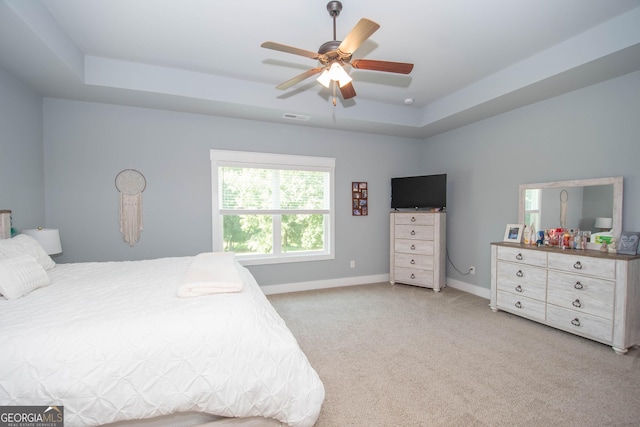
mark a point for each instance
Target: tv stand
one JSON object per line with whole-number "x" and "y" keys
{"x": 417, "y": 253}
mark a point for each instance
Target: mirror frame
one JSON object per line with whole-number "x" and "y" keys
{"x": 617, "y": 196}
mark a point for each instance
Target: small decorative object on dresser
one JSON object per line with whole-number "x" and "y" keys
{"x": 418, "y": 242}
{"x": 513, "y": 233}
{"x": 628, "y": 243}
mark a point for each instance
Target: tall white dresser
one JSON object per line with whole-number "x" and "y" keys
{"x": 418, "y": 244}
{"x": 589, "y": 293}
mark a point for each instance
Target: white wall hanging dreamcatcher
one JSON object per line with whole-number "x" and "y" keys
{"x": 130, "y": 183}
{"x": 564, "y": 196}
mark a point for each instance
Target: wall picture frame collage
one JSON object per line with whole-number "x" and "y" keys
{"x": 359, "y": 199}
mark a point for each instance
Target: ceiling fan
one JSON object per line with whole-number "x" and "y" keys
{"x": 334, "y": 55}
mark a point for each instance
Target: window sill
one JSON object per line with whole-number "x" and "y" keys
{"x": 282, "y": 259}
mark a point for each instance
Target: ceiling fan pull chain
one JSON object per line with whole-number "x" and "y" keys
{"x": 334, "y": 84}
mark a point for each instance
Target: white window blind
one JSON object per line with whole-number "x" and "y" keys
{"x": 272, "y": 208}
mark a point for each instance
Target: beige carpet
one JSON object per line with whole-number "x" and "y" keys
{"x": 406, "y": 356}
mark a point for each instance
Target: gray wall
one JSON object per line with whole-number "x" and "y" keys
{"x": 592, "y": 132}
{"x": 589, "y": 133}
{"x": 591, "y": 209}
{"x": 87, "y": 144}
{"x": 21, "y": 156}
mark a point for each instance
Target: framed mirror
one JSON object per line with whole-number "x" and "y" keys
{"x": 573, "y": 204}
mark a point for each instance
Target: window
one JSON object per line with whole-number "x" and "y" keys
{"x": 532, "y": 207}
{"x": 272, "y": 208}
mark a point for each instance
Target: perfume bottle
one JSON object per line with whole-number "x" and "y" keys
{"x": 526, "y": 235}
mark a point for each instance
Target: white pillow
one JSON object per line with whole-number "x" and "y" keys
{"x": 23, "y": 244}
{"x": 21, "y": 275}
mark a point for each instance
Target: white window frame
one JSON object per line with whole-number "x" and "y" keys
{"x": 538, "y": 196}
{"x": 220, "y": 158}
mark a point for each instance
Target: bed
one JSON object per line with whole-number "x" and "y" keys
{"x": 113, "y": 342}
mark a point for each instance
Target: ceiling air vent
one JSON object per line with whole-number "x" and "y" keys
{"x": 295, "y": 117}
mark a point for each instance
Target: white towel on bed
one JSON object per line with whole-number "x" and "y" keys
{"x": 211, "y": 273}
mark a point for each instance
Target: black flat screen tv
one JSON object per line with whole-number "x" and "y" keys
{"x": 419, "y": 192}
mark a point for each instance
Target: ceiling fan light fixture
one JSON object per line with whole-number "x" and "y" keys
{"x": 338, "y": 74}
{"x": 343, "y": 82}
{"x": 335, "y": 73}
{"x": 324, "y": 79}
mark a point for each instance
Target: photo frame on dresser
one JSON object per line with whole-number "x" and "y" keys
{"x": 513, "y": 233}
{"x": 628, "y": 243}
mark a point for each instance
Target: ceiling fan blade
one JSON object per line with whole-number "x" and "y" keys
{"x": 290, "y": 49}
{"x": 362, "y": 31}
{"x": 348, "y": 91}
{"x": 389, "y": 67}
{"x": 299, "y": 78}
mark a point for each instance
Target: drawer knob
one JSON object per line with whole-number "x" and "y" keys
{"x": 518, "y": 304}
{"x": 413, "y": 247}
{"x": 413, "y": 276}
{"x": 577, "y": 265}
{"x": 413, "y": 232}
{"x": 413, "y": 261}
{"x": 518, "y": 288}
{"x": 575, "y": 322}
{"x": 577, "y": 303}
{"x": 413, "y": 219}
{"x": 519, "y": 257}
{"x": 520, "y": 273}
{"x": 578, "y": 285}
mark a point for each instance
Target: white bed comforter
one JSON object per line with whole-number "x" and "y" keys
{"x": 112, "y": 341}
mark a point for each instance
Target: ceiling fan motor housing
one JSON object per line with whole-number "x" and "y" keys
{"x": 329, "y": 52}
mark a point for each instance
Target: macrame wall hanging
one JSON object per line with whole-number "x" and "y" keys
{"x": 130, "y": 183}
{"x": 564, "y": 196}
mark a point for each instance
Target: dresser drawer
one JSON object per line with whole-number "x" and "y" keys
{"x": 523, "y": 256}
{"x": 529, "y": 290}
{"x": 580, "y": 323}
{"x": 414, "y": 232}
{"x": 524, "y": 280}
{"x": 422, "y": 247}
{"x": 414, "y": 276}
{"x": 583, "y": 294}
{"x": 422, "y": 262}
{"x": 605, "y": 268}
{"x": 522, "y": 306}
{"x": 521, "y": 273}
{"x": 414, "y": 219}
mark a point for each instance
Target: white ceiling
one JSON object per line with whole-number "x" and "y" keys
{"x": 473, "y": 59}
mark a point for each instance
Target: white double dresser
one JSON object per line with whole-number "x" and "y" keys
{"x": 585, "y": 292}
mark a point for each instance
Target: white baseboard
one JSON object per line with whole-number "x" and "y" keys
{"x": 362, "y": 280}
{"x": 323, "y": 284}
{"x": 469, "y": 288}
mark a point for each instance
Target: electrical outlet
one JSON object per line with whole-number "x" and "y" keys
{"x": 472, "y": 270}
{"x": 352, "y": 264}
